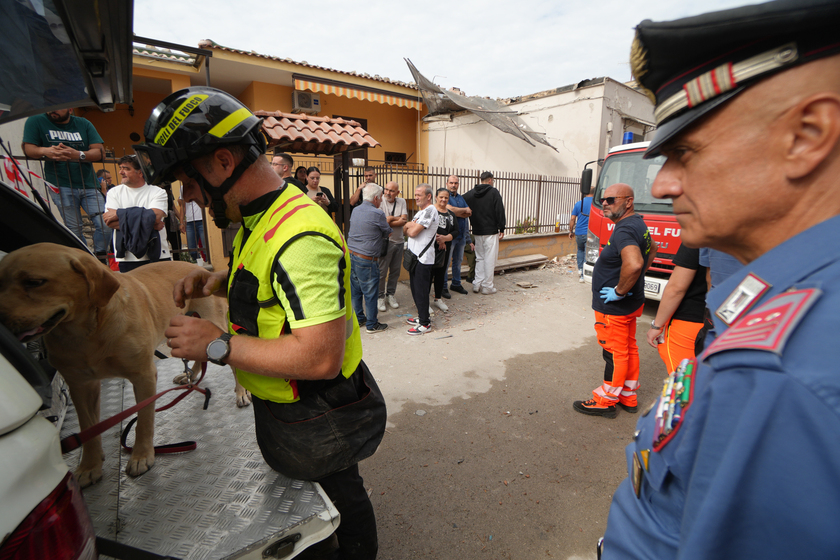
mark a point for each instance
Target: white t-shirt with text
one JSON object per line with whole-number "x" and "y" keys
{"x": 147, "y": 196}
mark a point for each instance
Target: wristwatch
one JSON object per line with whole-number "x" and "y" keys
{"x": 82, "y": 156}
{"x": 653, "y": 325}
{"x": 219, "y": 349}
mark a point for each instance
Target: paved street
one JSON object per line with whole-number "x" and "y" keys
{"x": 484, "y": 456}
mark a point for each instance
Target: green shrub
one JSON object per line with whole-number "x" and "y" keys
{"x": 528, "y": 225}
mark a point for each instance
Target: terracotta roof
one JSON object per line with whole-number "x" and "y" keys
{"x": 313, "y": 135}
{"x": 209, "y": 43}
{"x": 163, "y": 54}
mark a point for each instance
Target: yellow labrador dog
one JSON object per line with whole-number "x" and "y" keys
{"x": 98, "y": 324}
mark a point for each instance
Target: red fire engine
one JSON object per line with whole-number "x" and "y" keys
{"x": 624, "y": 164}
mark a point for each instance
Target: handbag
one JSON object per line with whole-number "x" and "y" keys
{"x": 410, "y": 259}
{"x": 440, "y": 254}
{"x": 386, "y": 242}
{"x": 440, "y": 258}
{"x": 386, "y": 237}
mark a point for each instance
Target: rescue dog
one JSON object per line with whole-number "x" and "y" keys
{"x": 98, "y": 324}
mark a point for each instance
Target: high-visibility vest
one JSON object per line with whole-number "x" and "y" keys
{"x": 255, "y": 308}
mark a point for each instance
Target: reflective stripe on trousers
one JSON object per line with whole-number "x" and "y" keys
{"x": 617, "y": 336}
{"x": 680, "y": 337}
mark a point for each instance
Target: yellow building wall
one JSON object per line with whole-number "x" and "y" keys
{"x": 393, "y": 127}
{"x": 260, "y": 96}
{"x": 118, "y": 127}
{"x": 422, "y": 134}
{"x": 397, "y": 129}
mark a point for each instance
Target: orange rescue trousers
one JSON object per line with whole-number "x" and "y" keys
{"x": 617, "y": 336}
{"x": 679, "y": 337}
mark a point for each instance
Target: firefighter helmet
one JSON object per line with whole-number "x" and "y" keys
{"x": 194, "y": 122}
{"x": 191, "y": 123}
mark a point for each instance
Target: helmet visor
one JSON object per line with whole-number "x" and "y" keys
{"x": 157, "y": 162}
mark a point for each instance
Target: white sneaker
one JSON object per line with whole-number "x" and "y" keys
{"x": 440, "y": 305}
{"x": 419, "y": 329}
{"x": 392, "y": 301}
{"x": 488, "y": 291}
{"x": 581, "y": 277}
{"x": 381, "y": 304}
{"x": 476, "y": 288}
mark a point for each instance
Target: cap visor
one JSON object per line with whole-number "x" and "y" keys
{"x": 675, "y": 126}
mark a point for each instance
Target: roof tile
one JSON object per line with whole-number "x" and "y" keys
{"x": 209, "y": 43}
{"x": 311, "y": 134}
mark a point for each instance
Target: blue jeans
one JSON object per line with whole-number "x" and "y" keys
{"x": 195, "y": 232}
{"x": 69, "y": 202}
{"x": 581, "y": 252}
{"x": 364, "y": 288}
{"x": 457, "y": 257}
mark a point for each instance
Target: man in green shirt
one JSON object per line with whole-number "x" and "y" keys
{"x": 70, "y": 144}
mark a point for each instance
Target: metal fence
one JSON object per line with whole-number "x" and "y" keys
{"x": 533, "y": 203}
{"x": 97, "y": 207}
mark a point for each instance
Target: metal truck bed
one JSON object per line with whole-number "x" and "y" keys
{"x": 220, "y": 501}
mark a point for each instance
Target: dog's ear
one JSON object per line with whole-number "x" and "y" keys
{"x": 101, "y": 280}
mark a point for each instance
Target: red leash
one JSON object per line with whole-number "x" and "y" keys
{"x": 188, "y": 388}
{"x": 74, "y": 441}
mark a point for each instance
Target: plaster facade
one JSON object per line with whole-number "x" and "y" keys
{"x": 581, "y": 123}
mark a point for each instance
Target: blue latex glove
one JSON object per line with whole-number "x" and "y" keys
{"x": 608, "y": 295}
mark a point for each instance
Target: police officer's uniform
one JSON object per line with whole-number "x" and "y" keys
{"x": 739, "y": 456}
{"x": 758, "y": 450}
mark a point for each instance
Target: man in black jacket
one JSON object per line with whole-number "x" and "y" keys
{"x": 488, "y": 227}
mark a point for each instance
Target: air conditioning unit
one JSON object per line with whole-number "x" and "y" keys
{"x": 306, "y": 102}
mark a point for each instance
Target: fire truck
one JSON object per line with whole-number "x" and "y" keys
{"x": 624, "y": 164}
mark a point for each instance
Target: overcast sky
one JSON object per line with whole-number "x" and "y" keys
{"x": 485, "y": 47}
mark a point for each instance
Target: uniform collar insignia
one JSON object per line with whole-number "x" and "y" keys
{"x": 742, "y": 297}
{"x": 768, "y": 327}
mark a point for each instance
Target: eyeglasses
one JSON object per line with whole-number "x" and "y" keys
{"x": 610, "y": 200}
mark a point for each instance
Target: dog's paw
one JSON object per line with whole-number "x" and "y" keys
{"x": 181, "y": 379}
{"x": 243, "y": 398}
{"x": 88, "y": 477}
{"x": 139, "y": 465}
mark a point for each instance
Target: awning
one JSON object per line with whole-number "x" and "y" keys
{"x": 351, "y": 91}
{"x": 313, "y": 135}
